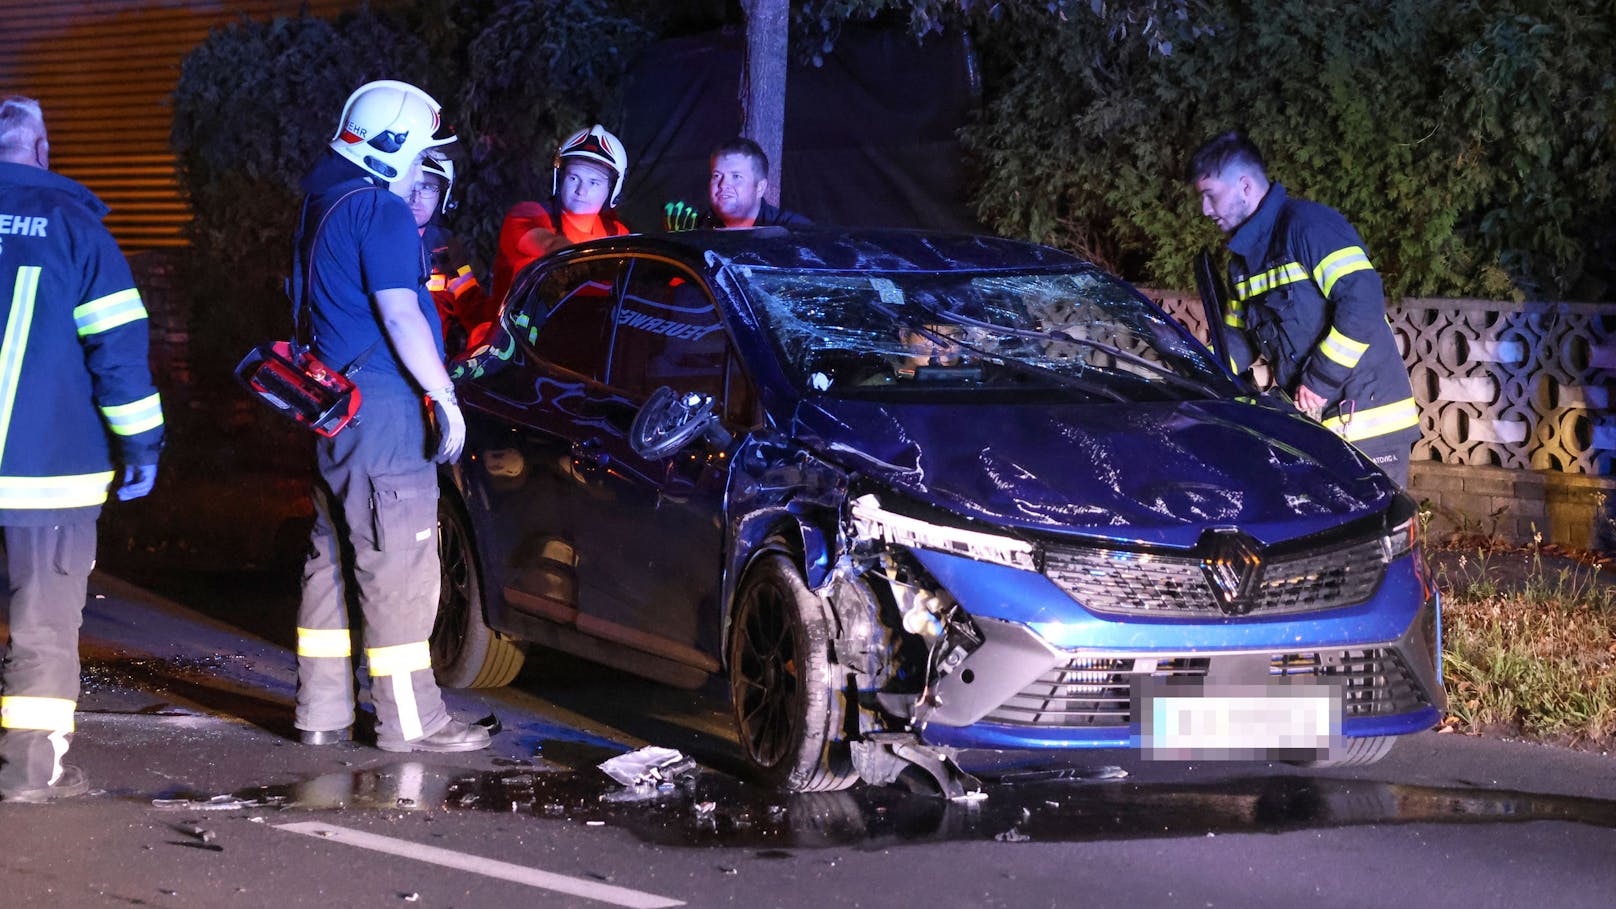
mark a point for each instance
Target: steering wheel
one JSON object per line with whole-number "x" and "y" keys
{"x": 669, "y": 421}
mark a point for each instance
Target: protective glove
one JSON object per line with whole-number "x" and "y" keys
{"x": 677, "y": 216}
{"x": 451, "y": 425}
{"x": 138, "y": 480}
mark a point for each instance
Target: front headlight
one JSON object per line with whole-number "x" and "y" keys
{"x": 871, "y": 520}
{"x": 1404, "y": 533}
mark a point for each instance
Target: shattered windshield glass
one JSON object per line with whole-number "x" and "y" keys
{"x": 1080, "y": 332}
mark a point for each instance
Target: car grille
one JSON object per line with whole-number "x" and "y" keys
{"x": 1132, "y": 583}
{"x": 1090, "y": 691}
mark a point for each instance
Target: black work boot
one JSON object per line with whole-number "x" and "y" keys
{"x": 454, "y": 736}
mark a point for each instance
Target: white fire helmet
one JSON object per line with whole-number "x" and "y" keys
{"x": 597, "y": 145}
{"x": 385, "y": 125}
{"x": 436, "y": 164}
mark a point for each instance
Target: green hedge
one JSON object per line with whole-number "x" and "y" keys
{"x": 1470, "y": 142}
{"x": 257, "y": 103}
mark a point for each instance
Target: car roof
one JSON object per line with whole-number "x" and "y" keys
{"x": 834, "y": 249}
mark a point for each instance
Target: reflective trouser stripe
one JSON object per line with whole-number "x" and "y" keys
{"x": 324, "y": 642}
{"x": 15, "y": 344}
{"x": 399, "y": 659}
{"x": 40, "y": 714}
{"x": 392, "y": 666}
{"x": 1376, "y": 421}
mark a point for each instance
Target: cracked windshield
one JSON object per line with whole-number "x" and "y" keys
{"x": 1061, "y": 334}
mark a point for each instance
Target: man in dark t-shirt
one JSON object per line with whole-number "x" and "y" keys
{"x": 364, "y": 274}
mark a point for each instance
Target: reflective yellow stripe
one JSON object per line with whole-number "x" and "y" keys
{"x": 399, "y": 658}
{"x": 1338, "y": 265}
{"x": 1264, "y": 282}
{"x": 1376, "y": 421}
{"x": 324, "y": 642}
{"x": 15, "y": 344}
{"x": 1342, "y": 349}
{"x": 108, "y": 312}
{"x": 55, "y": 492}
{"x": 1236, "y": 316}
{"x": 135, "y": 417}
{"x": 43, "y": 714}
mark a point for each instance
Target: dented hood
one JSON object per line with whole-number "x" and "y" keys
{"x": 1148, "y": 472}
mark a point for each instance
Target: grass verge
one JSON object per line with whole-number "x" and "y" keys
{"x": 1529, "y": 644}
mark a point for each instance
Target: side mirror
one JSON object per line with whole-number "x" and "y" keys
{"x": 669, "y": 421}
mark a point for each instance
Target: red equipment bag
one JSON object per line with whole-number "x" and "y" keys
{"x": 300, "y": 386}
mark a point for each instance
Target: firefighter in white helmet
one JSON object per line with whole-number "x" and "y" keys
{"x": 364, "y": 303}
{"x": 586, "y": 180}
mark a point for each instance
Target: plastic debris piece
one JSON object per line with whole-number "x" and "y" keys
{"x": 1013, "y": 836}
{"x": 411, "y": 897}
{"x": 217, "y": 803}
{"x": 648, "y": 766}
{"x": 196, "y": 832}
{"x": 975, "y": 795}
{"x": 594, "y": 823}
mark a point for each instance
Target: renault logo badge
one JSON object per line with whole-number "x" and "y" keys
{"x": 1232, "y": 562}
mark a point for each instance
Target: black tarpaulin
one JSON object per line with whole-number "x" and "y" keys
{"x": 870, "y": 137}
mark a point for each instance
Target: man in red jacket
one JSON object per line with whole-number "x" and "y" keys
{"x": 586, "y": 182}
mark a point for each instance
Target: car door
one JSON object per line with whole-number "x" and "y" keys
{"x": 530, "y": 422}
{"x": 649, "y": 562}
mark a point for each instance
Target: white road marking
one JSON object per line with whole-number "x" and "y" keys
{"x": 476, "y": 864}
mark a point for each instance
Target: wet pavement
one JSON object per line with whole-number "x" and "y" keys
{"x": 185, "y": 732}
{"x": 714, "y": 810}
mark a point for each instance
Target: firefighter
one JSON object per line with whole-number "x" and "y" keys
{"x": 736, "y": 187}
{"x": 1306, "y": 299}
{"x": 586, "y": 180}
{"x": 76, "y": 398}
{"x": 462, "y": 304}
{"x": 376, "y": 493}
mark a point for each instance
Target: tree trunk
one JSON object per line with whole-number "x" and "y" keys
{"x": 763, "y": 82}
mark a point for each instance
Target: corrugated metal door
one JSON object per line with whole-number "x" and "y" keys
{"x": 103, "y": 71}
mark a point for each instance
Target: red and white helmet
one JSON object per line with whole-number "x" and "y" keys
{"x": 385, "y": 125}
{"x": 596, "y": 145}
{"x": 436, "y": 164}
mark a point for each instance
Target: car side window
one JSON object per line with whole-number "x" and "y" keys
{"x": 568, "y": 316}
{"x": 668, "y": 333}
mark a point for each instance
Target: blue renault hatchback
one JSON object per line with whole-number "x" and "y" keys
{"x": 911, "y": 494}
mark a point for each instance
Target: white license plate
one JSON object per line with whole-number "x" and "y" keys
{"x": 1242, "y": 722}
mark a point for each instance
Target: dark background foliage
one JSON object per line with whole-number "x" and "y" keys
{"x": 1470, "y": 141}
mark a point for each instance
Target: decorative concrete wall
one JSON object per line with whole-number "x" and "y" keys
{"x": 1518, "y": 436}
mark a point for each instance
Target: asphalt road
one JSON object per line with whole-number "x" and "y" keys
{"x": 203, "y": 800}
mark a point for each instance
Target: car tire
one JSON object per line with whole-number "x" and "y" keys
{"x": 1356, "y": 752}
{"x": 789, "y": 714}
{"x": 466, "y": 653}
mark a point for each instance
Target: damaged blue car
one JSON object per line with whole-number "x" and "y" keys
{"x": 911, "y": 495}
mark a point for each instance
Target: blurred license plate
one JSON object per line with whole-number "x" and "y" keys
{"x": 1240, "y": 722}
